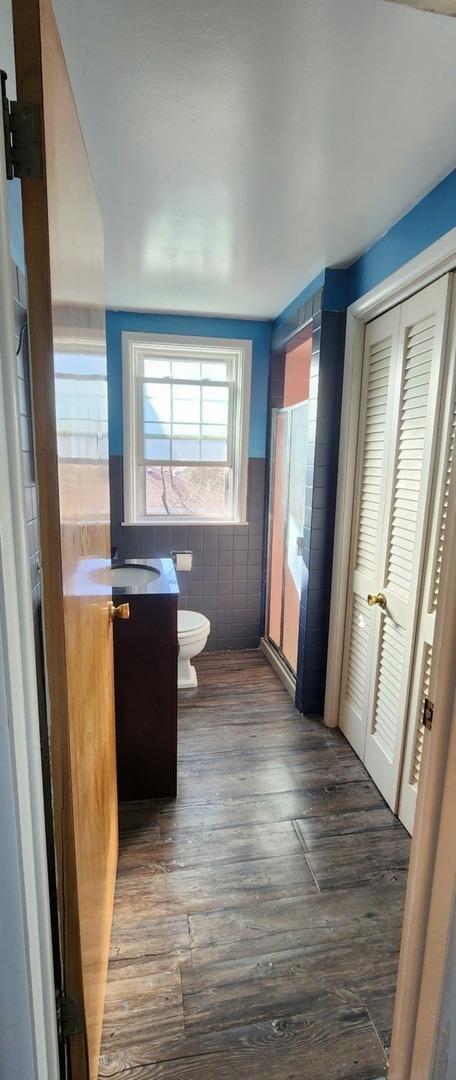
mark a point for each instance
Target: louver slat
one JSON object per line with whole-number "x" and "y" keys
{"x": 373, "y": 455}
{"x": 412, "y": 430}
{"x": 357, "y": 670}
{"x": 386, "y": 710}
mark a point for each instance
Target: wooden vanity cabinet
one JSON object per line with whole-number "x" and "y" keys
{"x": 145, "y": 673}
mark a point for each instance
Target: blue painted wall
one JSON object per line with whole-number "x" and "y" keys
{"x": 427, "y": 222}
{"x": 258, "y": 332}
{"x": 430, "y": 219}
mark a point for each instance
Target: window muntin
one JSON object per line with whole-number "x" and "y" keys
{"x": 185, "y": 421}
{"x": 188, "y": 417}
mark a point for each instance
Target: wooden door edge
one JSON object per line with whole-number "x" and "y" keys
{"x": 430, "y": 885}
{"x": 27, "y": 39}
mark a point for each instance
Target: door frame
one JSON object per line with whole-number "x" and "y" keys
{"x": 268, "y": 647}
{"x": 21, "y": 737}
{"x": 430, "y": 885}
{"x": 273, "y": 651}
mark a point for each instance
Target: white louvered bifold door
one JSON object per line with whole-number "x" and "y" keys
{"x": 422, "y": 684}
{"x": 373, "y": 453}
{"x": 402, "y": 378}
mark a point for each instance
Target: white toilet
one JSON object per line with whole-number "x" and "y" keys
{"x": 193, "y": 631}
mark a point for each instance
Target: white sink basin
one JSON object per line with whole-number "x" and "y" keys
{"x": 122, "y": 576}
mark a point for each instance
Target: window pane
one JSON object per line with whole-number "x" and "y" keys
{"x": 215, "y": 371}
{"x": 214, "y": 450}
{"x": 156, "y": 428}
{"x": 186, "y": 369}
{"x": 216, "y": 393}
{"x": 214, "y": 431}
{"x": 186, "y": 450}
{"x": 186, "y": 392}
{"x": 188, "y": 431}
{"x": 200, "y": 490}
{"x": 156, "y": 402}
{"x": 215, "y": 412}
{"x": 82, "y": 420}
{"x": 80, "y": 364}
{"x": 215, "y": 404}
{"x": 157, "y": 449}
{"x": 186, "y": 404}
{"x": 156, "y": 368}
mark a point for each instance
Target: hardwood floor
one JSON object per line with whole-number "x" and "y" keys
{"x": 257, "y": 919}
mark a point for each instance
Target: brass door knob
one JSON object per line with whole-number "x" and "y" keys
{"x": 121, "y": 611}
{"x": 377, "y": 598}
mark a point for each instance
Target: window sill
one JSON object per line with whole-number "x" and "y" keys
{"x": 185, "y": 522}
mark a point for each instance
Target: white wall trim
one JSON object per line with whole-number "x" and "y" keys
{"x": 20, "y": 733}
{"x": 130, "y": 340}
{"x": 430, "y": 264}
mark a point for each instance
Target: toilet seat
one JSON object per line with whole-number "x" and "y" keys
{"x": 191, "y": 624}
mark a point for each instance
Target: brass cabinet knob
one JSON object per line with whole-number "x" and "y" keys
{"x": 377, "y": 598}
{"x": 121, "y": 611}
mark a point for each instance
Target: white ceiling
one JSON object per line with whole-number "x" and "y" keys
{"x": 238, "y": 146}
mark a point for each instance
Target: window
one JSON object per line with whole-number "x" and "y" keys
{"x": 186, "y": 406}
{"x": 81, "y": 405}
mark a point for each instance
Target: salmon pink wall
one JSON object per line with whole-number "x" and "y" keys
{"x": 297, "y": 373}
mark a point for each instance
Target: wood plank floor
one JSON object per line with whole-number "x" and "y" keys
{"x": 257, "y": 918}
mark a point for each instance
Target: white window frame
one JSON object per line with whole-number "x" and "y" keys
{"x": 133, "y": 345}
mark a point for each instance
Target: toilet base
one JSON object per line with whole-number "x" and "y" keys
{"x": 186, "y": 675}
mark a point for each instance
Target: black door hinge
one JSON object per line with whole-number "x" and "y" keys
{"x": 22, "y": 135}
{"x": 70, "y": 1017}
{"x": 428, "y": 713}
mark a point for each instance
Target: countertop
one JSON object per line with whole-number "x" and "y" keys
{"x": 164, "y": 585}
